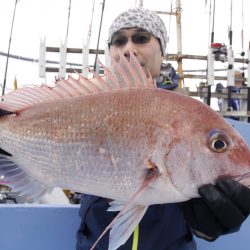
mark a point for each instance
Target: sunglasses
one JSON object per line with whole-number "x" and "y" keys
{"x": 137, "y": 38}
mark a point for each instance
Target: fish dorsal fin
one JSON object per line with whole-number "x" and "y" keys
{"x": 124, "y": 73}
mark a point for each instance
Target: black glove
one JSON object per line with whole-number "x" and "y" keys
{"x": 222, "y": 208}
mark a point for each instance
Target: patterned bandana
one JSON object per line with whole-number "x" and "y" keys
{"x": 143, "y": 19}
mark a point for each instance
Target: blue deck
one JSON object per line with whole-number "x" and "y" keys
{"x": 38, "y": 227}
{"x": 53, "y": 227}
{"x": 48, "y": 227}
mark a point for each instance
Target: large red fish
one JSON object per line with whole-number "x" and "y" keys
{"x": 106, "y": 135}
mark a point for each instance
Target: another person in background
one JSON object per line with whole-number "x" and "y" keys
{"x": 238, "y": 84}
{"x": 239, "y": 80}
{"x": 168, "y": 78}
{"x": 235, "y": 102}
{"x": 222, "y": 207}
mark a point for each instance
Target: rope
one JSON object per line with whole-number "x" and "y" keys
{"x": 135, "y": 238}
{"x": 7, "y": 60}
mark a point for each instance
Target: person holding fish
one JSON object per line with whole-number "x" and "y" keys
{"x": 221, "y": 208}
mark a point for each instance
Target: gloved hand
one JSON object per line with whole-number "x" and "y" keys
{"x": 222, "y": 208}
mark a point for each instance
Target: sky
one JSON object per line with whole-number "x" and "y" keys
{"x": 47, "y": 19}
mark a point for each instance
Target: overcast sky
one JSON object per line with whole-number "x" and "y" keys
{"x": 37, "y": 19}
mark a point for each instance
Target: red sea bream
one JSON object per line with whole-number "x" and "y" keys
{"x": 103, "y": 137}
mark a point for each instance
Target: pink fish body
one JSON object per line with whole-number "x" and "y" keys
{"x": 99, "y": 136}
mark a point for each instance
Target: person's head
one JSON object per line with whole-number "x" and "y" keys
{"x": 142, "y": 32}
{"x": 238, "y": 78}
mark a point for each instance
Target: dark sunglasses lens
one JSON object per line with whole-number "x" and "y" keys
{"x": 119, "y": 40}
{"x": 141, "y": 37}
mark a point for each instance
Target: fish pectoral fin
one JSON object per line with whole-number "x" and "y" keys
{"x": 122, "y": 221}
{"x": 21, "y": 183}
{"x": 125, "y": 224}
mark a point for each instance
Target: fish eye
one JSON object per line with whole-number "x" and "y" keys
{"x": 218, "y": 142}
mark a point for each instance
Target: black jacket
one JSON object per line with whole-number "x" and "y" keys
{"x": 161, "y": 228}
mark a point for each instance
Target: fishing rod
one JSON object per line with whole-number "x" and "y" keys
{"x": 67, "y": 31}
{"x": 212, "y": 33}
{"x": 230, "y": 73}
{"x": 243, "y": 54}
{"x": 85, "y": 51}
{"x": 230, "y": 34}
{"x": 63, "y": 48}
{"x": 210, "y": 59}
{"x": 7, "y": 59}
{"x": 242, "y": 37}
{"x": 242, "y": 29}
{"x": 91, "y": 24}
{"x": 169, "y": 24}
{"x": 98, "y": 40}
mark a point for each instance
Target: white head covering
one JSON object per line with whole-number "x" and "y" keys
{"x": 143, "y": 19}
